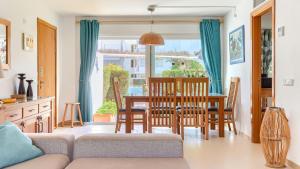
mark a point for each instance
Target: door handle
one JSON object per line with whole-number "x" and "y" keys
{"x": 41, "y": 84}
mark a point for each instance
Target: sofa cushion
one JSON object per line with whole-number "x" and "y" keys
{"x": 48, "y": 161}
{"x": 15, "y": 146}
{"x": 129, "y": 163}
{"x": 128, "y": 146}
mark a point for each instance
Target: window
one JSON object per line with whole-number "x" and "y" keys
{"x": 179, "y": 58}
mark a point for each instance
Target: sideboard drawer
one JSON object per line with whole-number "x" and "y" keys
{"x": 44, "y": 107}
{"x": 30, "y": 110}
{"x": 13, "y": 115}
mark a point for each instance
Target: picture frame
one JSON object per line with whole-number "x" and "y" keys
{"x": 237, "y": 45}
{"x": 28, "y": 42}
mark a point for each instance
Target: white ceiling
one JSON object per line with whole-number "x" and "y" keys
{"x": 137, "y": 7}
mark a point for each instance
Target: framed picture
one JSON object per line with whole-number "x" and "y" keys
{"x": 237, "y": 45}
{"x": 27, "y": 42}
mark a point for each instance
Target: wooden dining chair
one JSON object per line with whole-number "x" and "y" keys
{"x": 139, "y": 115}
{"x": 229, "y": 109}
{"x": 193, "y": 110}
{"x": 162, "y": 103}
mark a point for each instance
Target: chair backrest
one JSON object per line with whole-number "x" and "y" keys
{"x": 162, "y": 101}
{"x": 233, "y": 91}
{"x": 194, "y": 101}
{"x": 117, "y": 94}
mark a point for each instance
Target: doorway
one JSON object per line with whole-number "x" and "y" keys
{"x": 263, "y": 64}
{"x": 46, "y": 42}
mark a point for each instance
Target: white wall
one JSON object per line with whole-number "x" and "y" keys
{"x": 287, "y": 66}
{"x": 23, "y": 16}
{"x": 242, "y": 70}
{"x": 69, "y": 64}
{"x": 287, "y": 63}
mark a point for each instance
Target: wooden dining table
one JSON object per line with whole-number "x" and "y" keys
{"x": 212, "y": 98}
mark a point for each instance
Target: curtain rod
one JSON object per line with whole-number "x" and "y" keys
{"x": 155, "y": 21}
{"x": 170, "y": 6}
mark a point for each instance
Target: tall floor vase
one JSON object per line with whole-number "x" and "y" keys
{"x": 275, "y": 137}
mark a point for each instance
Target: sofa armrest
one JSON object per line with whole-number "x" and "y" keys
{"x": 128, "y": 146}
{"x": 51, "y": 143}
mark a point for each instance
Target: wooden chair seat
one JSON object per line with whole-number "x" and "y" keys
{"x": 134, "y": 110}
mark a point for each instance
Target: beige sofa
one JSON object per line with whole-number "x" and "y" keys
{"x": 58, "y": 151}
{"x": 108, "y": 151}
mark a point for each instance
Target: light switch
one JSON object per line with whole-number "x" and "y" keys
{"x": 288, "y": 82}
{"x": 281, "y": 31}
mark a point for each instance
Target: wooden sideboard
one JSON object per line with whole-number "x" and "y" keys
{"x": 31, "y": 116}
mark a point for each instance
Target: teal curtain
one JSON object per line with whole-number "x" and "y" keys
{"x": 89, "y": 31}
{"x": 211, "y": 52}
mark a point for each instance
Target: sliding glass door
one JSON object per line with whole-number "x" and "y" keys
{"x": 123, "y": 59}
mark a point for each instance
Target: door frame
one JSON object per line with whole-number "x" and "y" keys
{"x": 54, "y": 113}
{"x": 268, "y": 6}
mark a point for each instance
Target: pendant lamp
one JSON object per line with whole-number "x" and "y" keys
{"x": 151, "y": 38}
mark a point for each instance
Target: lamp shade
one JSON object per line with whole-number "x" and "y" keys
{"x": 151, "y": 38}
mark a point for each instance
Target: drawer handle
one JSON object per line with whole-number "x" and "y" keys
{"x": 13, "y": 115}
{"x": 42, "y": 127}
{"x": 45, "y": 106}
{"x": 31, "y": 110}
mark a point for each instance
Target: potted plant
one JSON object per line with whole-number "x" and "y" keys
{"x": 106, "y": 112}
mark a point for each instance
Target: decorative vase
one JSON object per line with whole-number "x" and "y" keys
{"x": 275, "y": 137}
{"x": 21, "y": 84}
{"x": 29, "y": 92}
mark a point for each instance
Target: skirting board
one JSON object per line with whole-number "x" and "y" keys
{"x": 292, "y": 164}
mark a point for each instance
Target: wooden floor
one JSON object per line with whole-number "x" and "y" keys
{"x": 231, "y": 152}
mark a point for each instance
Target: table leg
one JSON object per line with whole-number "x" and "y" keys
{"x": 221, "y": 117}
{"x": 212, "y": 117}
{"x": 128, "y": 115}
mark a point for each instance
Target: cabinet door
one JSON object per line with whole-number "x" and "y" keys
{"x": 30, "y": 125}
{"x": 44, "y": 121}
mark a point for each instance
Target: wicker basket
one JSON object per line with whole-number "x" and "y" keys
{"x": 275, "y": 137}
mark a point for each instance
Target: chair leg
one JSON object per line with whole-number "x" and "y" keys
{"x": 182, "y": 128}
{"x": 206, "y": 132}
{"x": 117, "y": 124}
{"x": 64, "y": 117}
{"x": 234, "y": 127}
{"x": 178, "y": 125}
{"x": 149, "y": 123}
{"x": 72, "y": 116}
{"x": 132, "y": 124}
{"x": 229, "y": 127}
{"x": 206, "y": 126}
{"x": 80, "y": 115}
{"x": 144, "y": 123}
